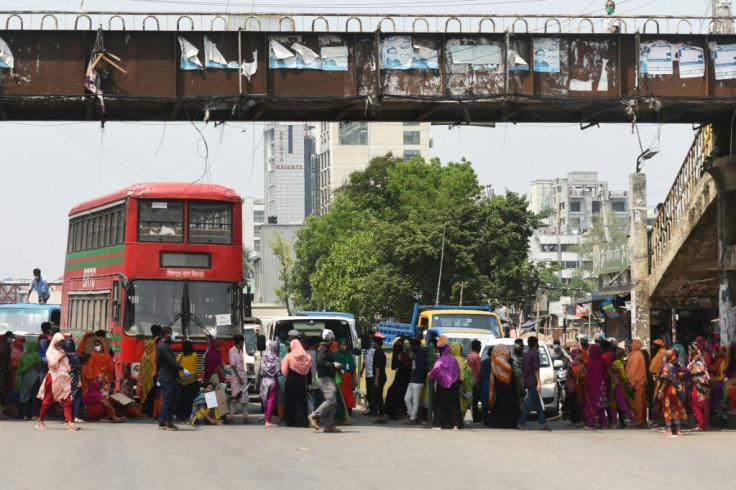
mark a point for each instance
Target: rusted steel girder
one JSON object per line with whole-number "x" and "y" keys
{"x": 599, "y": 80}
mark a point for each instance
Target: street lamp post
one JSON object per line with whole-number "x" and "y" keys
{"x": 646, "y": 155}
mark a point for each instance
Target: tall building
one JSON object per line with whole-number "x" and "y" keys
{"x": 254, "y": 215}
{"x": 573, "y": 202}
{"x": 287, "y": 149}
{"x": 344, "y": 147}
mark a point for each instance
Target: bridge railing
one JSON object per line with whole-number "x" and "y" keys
{"x": 674, "y": 208}
{"x": 321, "y": 22}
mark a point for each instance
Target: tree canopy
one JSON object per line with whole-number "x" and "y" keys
{"x": 378, "y": 249}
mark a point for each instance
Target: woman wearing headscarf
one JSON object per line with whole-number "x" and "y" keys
{"x": 502, "y": 397}
{"x": 75, "y": 363}
{"x": 466, "y": 378}
{"x": 296, "y": 368}
{"x": 671, "y": 393}
{"x": 700, "y": 394}
{"x": 572, "y": 406}
{"x": 347, "y": 379}
{"x": 16, "y": 352}
{"x": 681, "y": 355}
{"x": 239, "y": 379}
{"x": 659, "y": 350}
{"x": 636, "y": 370}
{"x": 98, "y": 406}
{"x": 401, "y": 365}
{"x": 56, "y": 386}
{"x": 621, "y": 394}
{"x": 446, "y": 375}
{"x": 98, "y": 365}
{"x": 594, "y": 407}
{"x": 214, "y": 369}
{"x": 26, "y": 379}
{"x": 189, "y": 385}
{"x": 268, "y": 375}
{"x": 82, "y": 347}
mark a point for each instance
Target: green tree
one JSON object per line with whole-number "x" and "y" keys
{"x": 595, "y": 236}
{"x": 284, "y": 252}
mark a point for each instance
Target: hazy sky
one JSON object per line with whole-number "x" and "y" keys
{"x": 49, "y": 167}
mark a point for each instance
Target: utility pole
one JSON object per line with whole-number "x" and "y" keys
{"x": 722, "y": 13}
{"x": 442, "y": 259}
{"x": 605, "y": 215}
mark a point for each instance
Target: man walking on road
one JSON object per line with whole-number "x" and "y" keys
{"x": 326, "y": 366}
{"x": 167, "y": 373}
{"x": 41, "y": 287}
{"x": 533, "y": 385}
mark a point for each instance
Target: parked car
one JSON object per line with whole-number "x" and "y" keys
{"x": 546, "y": 373}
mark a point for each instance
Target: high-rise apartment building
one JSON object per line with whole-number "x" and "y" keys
{"x": 344, "y": 147}
{"x": 254, "y": 215}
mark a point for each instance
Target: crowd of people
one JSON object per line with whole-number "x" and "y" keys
{"x": 606, "y": 383}
{"x": 311, "y": 382}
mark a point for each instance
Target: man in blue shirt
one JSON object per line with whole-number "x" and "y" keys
{"x": 41, "y": 287}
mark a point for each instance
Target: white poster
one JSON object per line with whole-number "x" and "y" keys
{"x": 656, "y": 58}
{"x": 6, "y": 57}
{"x": 280, "y": 57}
{"x": 546, "y": 55}
{"x": 396, "y": 53}
{"x": 425, "y": 58}
{"x": 249, "y": 69}
{"x": 691, "y": 62}
{"x": 334, "y": 58}
{"x": 214, "y": 59}
{"x": 306, "y": 59}
{"x": 478, "y": 54}
{"x": 724, "y": 58}
{"x": 189, "y": 59}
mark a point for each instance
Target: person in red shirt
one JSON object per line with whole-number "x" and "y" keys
{"x": 473, "y": 361}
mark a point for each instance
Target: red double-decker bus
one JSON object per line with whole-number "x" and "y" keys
{"x": 155, "y": 253}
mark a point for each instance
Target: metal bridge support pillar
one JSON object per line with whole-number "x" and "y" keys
{"x": 639, "y": 244}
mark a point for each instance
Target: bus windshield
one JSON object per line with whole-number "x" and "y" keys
{"x": 23, "y": 321}
{"x": 466, "y": 320}
{"x": 158, "y": 301}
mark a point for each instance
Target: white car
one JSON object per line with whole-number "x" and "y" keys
{"x": 546, "y": 373}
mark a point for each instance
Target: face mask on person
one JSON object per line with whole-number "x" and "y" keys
{"x": 98, "y": 348}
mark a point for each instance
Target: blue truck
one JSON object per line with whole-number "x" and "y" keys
{"x": 439, "y": 317}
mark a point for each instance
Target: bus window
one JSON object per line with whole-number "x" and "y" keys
{"x": 214, "y": 306}
{"x": 153, "y": 302}
{"x": 160, "y": 221}
{"x": 210, "y": 223}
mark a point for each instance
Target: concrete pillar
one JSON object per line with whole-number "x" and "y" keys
{"x": 639, "y": 246}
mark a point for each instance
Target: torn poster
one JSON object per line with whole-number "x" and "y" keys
{"x": 724, "y": 59}
{"x": 280, "y": 57}
{"x": 334, "y": 58}
{"x": 691, "y": 61}
{"x": 6, "y": 57}
{"x": 603, "y": 81}
{"x": 516, "y": 62}
{"x": 479, "y": 54}
{"x": 546, "y": 55}
{"x": 396, "y": 53}
{"x": 249, "y": 69}
{"x": 424, "y": 58}
{"x": 189, "y": 60}
{"x": 306, "y": 59}
{"x": 214, "y": 59}
{"x": 91, "y": 78}
{"x": 656, "y": 58}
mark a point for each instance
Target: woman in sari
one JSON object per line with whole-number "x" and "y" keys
{"x": 594, "y": 407}
{"x": 214, "y": 368}
{"x": 189, "y": 385}
{"x": 268, "y": 375}
{"x": 681, "y": 355}
{"x": 56, "y": 386}
{"x": 347, "y": 380}
{"x": 572, "y": 406}
{"x": 26, "y": 379}
{"x": 98, "y": 365}
{"x": 671, "y": 393}
{"x": 75, "y": 362}
{"x": 503, "y": 400}
{"x": 296, "y": 368}
{"x": 466, "y": 378}
{"x": 446, "y": 375}
{"x": 659, "y": 350}
{"x": 401, "y": 365}
{"x": 146, "y": 385}
{"x": 636, "y": 370}
{"x": 239, "y": 379}
{"x": 621, "y": 394}
{"x": 98, "y": 406}
{"x": 700, "y": 394}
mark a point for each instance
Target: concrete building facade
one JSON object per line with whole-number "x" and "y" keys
{"x": 254, "y": 215}
{"x": 267, "y": 264}
{"x": 344, "y": 147}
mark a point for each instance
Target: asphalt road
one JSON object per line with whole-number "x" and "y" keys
{"x": 137, "y": 455}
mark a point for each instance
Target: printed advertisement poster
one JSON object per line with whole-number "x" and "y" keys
{"x": 280, "y": 57}
{"x": 691, "y": 61}
{"x": 724, "y": 58}
{"x": 334, "y": 58}
{"x": 425, "y": 58}
{"x": 609, "y": 309}
{"x": 656, "y": 58}
{"x": 546, "y": 55}
{"x": 396, "y": 53}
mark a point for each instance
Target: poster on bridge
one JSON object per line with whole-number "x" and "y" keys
{"x": 691, "y": 61}
{"x": 656, "y": 58}
{"x": 724, "y": 59}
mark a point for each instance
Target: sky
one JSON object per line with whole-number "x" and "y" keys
{"x": 47, "y": 168}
